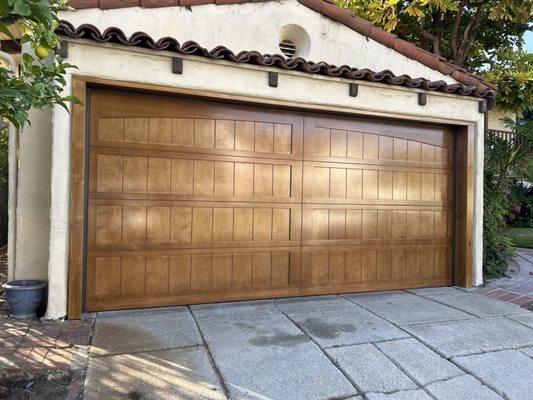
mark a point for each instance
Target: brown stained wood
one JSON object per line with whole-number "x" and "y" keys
{"x": 208, "y": 198}
{"x": 366, "y": 199}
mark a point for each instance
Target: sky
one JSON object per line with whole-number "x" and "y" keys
{"x": 529, "y": 42}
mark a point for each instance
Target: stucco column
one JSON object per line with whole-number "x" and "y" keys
{"x": 477, "y": 273}
{"x": 59, "y": 213}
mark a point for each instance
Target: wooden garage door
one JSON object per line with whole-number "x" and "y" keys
{"x": 193, "y": 201}
{"x": 377, "y": 205}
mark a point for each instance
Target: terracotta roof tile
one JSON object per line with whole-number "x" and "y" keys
{"x": 141, "y": 39}
{"x": 336, "y": 13}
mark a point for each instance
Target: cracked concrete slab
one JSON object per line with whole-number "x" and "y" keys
{"x": 528, "y": 351}
{"x": 124, "y": 333}
{"x": 434, "y": 290}
{"x": 516, "y": 383}
{"x": 404, "y": 308}
{"x": 369, "y": 369}
{"x": 526, "y": 319}
{"x": 418, "y": 361}
{"x": 475, "y": 304}
{"x": 401, "y": 395}
{"x": 313, "y": 304}
{"x": 269, "y": 357}
{"x": 457, "y": 338}
{"x": 237, "y": 309}
{"x": 464, "y": 387}
{"x": 167, "y": 374}
{"x": 345, "y": 327}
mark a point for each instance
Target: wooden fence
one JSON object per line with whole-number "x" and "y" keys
{"x": 513, "y": 137}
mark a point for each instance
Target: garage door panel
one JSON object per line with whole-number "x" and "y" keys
{"x": 189, "y": 225}
{"x": 333, "y": 182}
{"x": 190, "y": 274}
{"x": 401, "y": 266}
{"x": 201, "y": 135}
{"x": 178, "y": 176}
{"x": 325, "y": 143}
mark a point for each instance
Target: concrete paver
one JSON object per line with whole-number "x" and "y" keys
{"x": 237, "y": 309}
{"x": 159, "y": 330}
{"x": 313, "y": 304}
{"x": 464, "y": 387}
{"x": 477, "y": 305}
{"x": 418, "y": 361}
{"x": 528, "y": 351}
{"x": 404, "y": 308}
{"x": 517, "y": 381}
{"x": 387, "y": 346}
{"x": 167, "y": 374}
{"x": 526, "y": 319}
{"x": 269, "y": 357}
{"x": 345, "y": 327}
{"x": 370, "y": 370}
{"x": 401, "y": 395}
{"x": 434, "y": 290}
{"x": 456, "y": 338}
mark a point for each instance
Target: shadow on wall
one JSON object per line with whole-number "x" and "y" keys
{"x": 3, "y": 182}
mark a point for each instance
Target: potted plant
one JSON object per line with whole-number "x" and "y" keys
{"x": 25, "y": 297}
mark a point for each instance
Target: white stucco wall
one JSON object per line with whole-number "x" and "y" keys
{"x": 257, "y": 26}
{"x": 131, "y": 65}
{"x": 495, "y": 119}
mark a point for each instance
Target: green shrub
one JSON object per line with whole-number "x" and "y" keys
{"x": 503, "y": 161}
{"x": 521, "y": 205}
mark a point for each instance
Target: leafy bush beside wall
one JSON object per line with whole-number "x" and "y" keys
{"x": 521, "y": 204}
{"x": 504, "y": 160}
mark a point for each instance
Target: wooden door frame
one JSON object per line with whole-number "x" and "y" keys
{"x": 463, "y": 165}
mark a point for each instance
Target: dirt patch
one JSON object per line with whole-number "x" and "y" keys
{"x": 45, "y": 385}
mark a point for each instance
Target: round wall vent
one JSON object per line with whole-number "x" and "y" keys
{"x": 294, "y": 41}
{"x": 287, "y": 47}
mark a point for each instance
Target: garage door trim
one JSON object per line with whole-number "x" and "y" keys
{"x": 463, "y": 196}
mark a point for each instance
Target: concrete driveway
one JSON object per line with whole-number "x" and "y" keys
{"x": 441, "y": 343}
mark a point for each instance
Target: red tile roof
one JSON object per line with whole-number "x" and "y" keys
{"x": 141, "y": 39}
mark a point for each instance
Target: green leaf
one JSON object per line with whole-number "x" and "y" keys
{"x": 22, "y": 8}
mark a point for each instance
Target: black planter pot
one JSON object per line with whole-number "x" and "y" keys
{"x": 25, "y": 297}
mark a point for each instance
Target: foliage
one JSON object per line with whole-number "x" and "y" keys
{"x": 40, "y": 80}
{"x": 520, "y": 204}
{"x": 464, "y": 31}
{"x": 503, "y": 160}
{"x": 521, "y": 237}
{"x": 512, "y": 71}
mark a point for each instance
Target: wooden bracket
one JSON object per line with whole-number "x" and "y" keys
{"x": 273, "y": 79}
{"x": 483, "y": 107}
{"x": 177, "y": 65}
{"x": 422, "y": 99}
{"x": 354, "y": 89}
{"x": 63, "y": 49}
